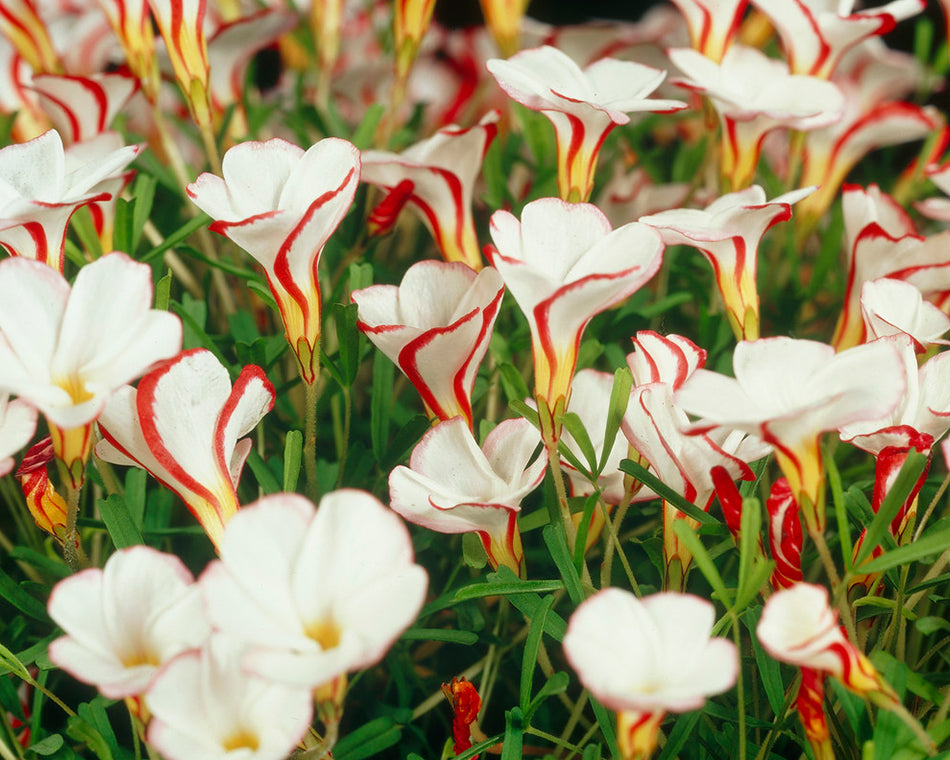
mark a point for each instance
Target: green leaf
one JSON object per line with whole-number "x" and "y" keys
{"x": 556, "y": 684}
{"x": 769, "y": 669}
{"x": 573, "y": 425}
{"x": 122, "y": 226}
{"x": 82, "y": 731}
{"x": 650, "y": 480}
{"x": 557, "y": 547}
{"x": 13, "y": 665}
{"x": 368, "y": 740}
{"x": 81, "y": 223}
{"x": 19, "y": 598}
{"x": 94, "y": 713}
{"x": 512, "y": 383}
{"x": 532, "y": 644}
{"x": 265, "y": 478}
{"x": 349, "y": 339}
{"x": 163, "y": 291}
{"x": 119, "y": 522}
{"x": 381, "y": 404}
{"x": 514, "y": 733}
{"x": 366, "y": 132}
{"x": 466, "y": 638}
{"x": 840, "y": 506}
{"x": 143, "y": 191}
{"x": 473, "y": 551}
{"x": 606, "y": 725}
{"x": 619, "y": 397}
{"x": 925, "y": 546}
{"x": 48, "y": 746}
{"x": 580, "y": 540}
{"x": 293, "y": 457}
{"x": 901, "y": 488}
{"x": 498, "y": 588}
{"x": 681, "y": 733}
{"x": 703, "y": 561}
{"x": 177, "y": 236}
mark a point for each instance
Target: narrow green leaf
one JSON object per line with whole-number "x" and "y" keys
{"x": 366, "y": 132}
{"x": 360, "y": 275}
{"x": 650, "y": 480}
{"x": 177, "y": 236}
{"x": 904, "y": 483}
{"x": 512, "y": 382}
{"x": 556, "y": 684}
{"x": 163, "y": 291}
{"x": 580, "y": 541}
{"x": 557, "y": 547}
{"x": 48, "y": 746}
{"x": 94, "y": 713}
{"x": 119, "y": 522}
{"x": 514, "y": 734}
{"x": 265, "y": 478}
{"x": 619, "y": 397}
{"x": 532, "y": 644}
{"x": 591, "y": 752}
{"x": 681, "y": 733}
{"x": 841, "y": 509}
{"x": 348, "y": 337}
{"x": 479, "y": 590}
{"x": 768, "y": 668}
{"x": 122, "y": 227}
{"x": 925, "y": 546}
{"x": 21, "y": 599}
{"x": 606, "y": 726}
{"x": 13, "y": 665}
{"x": 144, "y": 193}
{"x": 81, "y": 223}
{"x": 293, "y": 457}
{"x": 449, "y": 636}
{"x": 573, "y": 425}
{"x": 136, "y": 483}
{"x": 702, "y": 559}
{"x": 753, "y": 569}
{"x": 381, "y": 404}
{"x": 82, "y": 731}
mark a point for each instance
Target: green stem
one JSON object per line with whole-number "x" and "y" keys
{"x": 837, "y": 589}
{"x": 310, "y": 438}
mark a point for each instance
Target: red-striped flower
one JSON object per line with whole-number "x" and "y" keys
{"x": 281, "y": 205}
{"x": 583, "y": 105}
{"x": 198, "y": 453}
{"x": 181, "y": 23}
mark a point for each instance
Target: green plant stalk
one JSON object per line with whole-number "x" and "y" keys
{"x": 838, "y": 589}
{"x": 310, "y": 433}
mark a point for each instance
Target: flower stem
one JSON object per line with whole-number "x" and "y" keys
{"x": 310, "y": 438}
{"x": 847, "y": 619}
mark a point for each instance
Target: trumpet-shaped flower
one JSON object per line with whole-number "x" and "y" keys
{"x": 46, "y": 506}
{"x": 788, "y": 392}
{"x": 799, "y": 627}
{"x": 124, "y": 621}
{"x": 81, "y": 108}
{"x": 203, "y": 705}
{"x": 198, "y": 453}
{"x": 504, "y": 17}
{"x": 881, "y": 242}
{"x": 895, "y": 307}
{"x": 41, "y": 187}
{"x": 669, "y": 359}
{"x": 132, "y": 24}
{"x": 712, "y": 24}
{"x": 21, "y": 24}
{"x": 315, "y": 593}
{"x": 435, "y": 326}
{"x": 817, "y": 33}
{"x": 17, "y": 425}
{"x": 753, "y": 95}
{"x": 281, "y": 205}
{"x": 453, "y": 486}
{"x": 583, "y": 105}
{"x": 646, "y": 657}
{"x": 441, "y": 172}
{"x": 66, "y": 350}
{"x": 410, "y": 22}
{"x": 181, "y": 23}
{"x": 564, "y": 265}
{"x": 728, "y": 233}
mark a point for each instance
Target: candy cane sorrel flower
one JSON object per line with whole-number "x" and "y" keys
{"x": 315, "y": 593}
{"x": 583, "y": 105}
{"x": 17, "y": 425}
{"x": 281, "y": 204}
{"x": 124, "y": 621}
{"x": 437, "y": 177}
{"x": 564, "y": 265}
{"x": 647, "y": 657}
{"x": 453, "y": 486}
{"x": 788, "y": 392}
{"x": 435, "y": 326}
{"x": 197, "y": 454}
{"x": 66, "y": 349}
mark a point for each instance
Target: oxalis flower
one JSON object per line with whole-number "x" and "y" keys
{"x": 281, "y": 204}
{"x": 41, "y": 186}
{"x": 314, "y": 593}
{"x": 124, "y": 621}
{"x": 435, "y": 326}
{"x": 728, "y": 233}
{"x": 66, "y": 349}
{"x": 437, "y": 177}
{"x": 583, "y": 105}
{"x": 197, "y": 454}
{"x": 787, "y": 392}
{"x": 17, "y": 425}
{"x": 564, "y": 265}
{"x": 647, "y": 657}
{"x": 453, "y": 486}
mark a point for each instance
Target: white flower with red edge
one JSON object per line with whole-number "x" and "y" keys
{"x": 437, "y": 177}
{"x": 787, "y": 392}
{"x": 583, "y": 105}
{"x": 184, "y": 425}
{"x": 937, "y": 208}
{"x": 314, "y": 593}
{"x": 453, "y": 486}
{"x": 435, "y": 326}
{"x": 124, "y": 621}
{"x": 40, "y": 189}
{"x": 83, "y": 107}
{"x": 712, "y": 24}
{"x": 646, "y": 657}
{"x": 895, "y": 307}
{"x": 564, "y": 265}
{"x": 17, "y": 425}
{"x": 728, "y": 233}
{"x": 281, "y": 205}
{"x": 65, "y": 350}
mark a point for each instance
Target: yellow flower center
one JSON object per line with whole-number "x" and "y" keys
{"x": 141, "y": 657}
{"x": 325, "y": 632}
{"x": 241, "y": 740}
{"x": 75, "y": 387}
